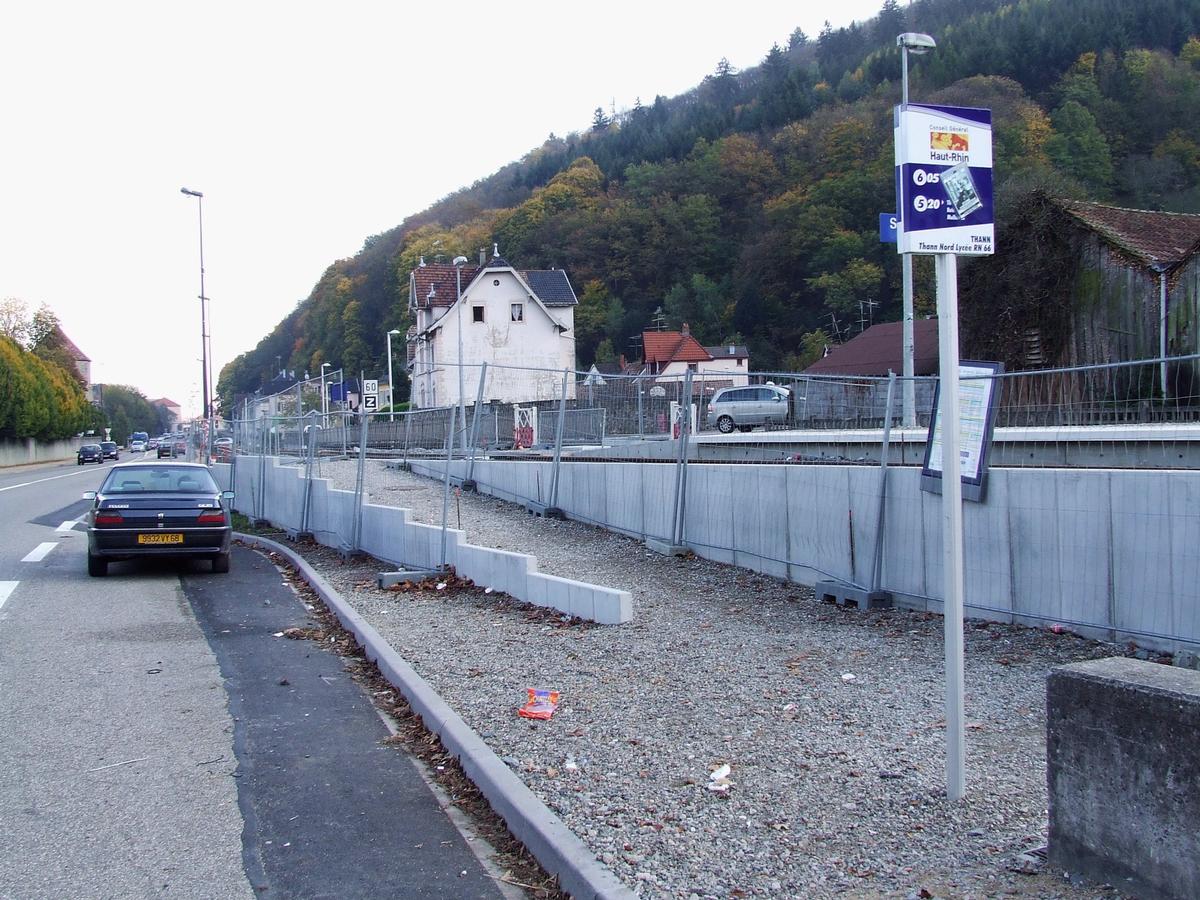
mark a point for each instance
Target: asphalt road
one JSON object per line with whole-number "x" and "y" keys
{"x": 158, "y": 739}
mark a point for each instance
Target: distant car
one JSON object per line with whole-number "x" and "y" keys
{"x": 152, "y": 444}
{"x": 223, "y": 449}
{"x": 745, "y": 407}
{"x": 89, "y": 453}
{"x": 110, "y": 450}
{"x": 137, "y": 446}
{"x": 164, "y": 448}
{"x": 153, "y": 509}
{"x": 179, "y": 446}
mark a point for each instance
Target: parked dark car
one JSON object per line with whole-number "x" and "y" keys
{"x": 153, "y": 509}
{"x": 110, "y": 449}
{"x": 179, "y": 446}
{"x": 89, "y": 453}
{"x": 164, "y": 446}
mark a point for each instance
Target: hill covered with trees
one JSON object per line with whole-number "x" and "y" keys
{"x": 748, "y": 207}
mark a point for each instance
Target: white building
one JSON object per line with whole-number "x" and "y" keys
{"x": 669, "y": 355}
{"x": 520, "y": 322}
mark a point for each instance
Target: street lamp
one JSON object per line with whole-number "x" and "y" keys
{"x": 909, "y": 42}
{"x": 391, "y": 389}
{"x": 459, "y": 262}
{"x": 324, "y": 398}
{"x": 203, "y": 322}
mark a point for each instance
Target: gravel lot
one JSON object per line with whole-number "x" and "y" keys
{"x": 830, "y": 719}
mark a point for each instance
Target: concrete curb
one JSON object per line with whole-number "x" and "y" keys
{"x": 554, "y": 845}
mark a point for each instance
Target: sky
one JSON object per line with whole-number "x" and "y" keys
{"x": 308, "y": 127}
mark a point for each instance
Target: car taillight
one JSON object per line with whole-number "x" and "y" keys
{"x": 109, "y": 518}
{"x": 211, "y": 518}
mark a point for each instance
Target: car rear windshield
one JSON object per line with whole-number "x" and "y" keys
{"x": 159, "y": 479}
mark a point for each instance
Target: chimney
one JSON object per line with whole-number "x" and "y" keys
{"x": 683, "y": 329}
{"x": 482, "y": 257}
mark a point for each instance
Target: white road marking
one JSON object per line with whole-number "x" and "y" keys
{"x": 69, "y": 525}
{"x": 13, "y": 487}
{"x": 6, "y": 589}
{"x": 38, "y": 553}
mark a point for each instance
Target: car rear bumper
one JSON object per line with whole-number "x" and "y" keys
{"x": 121, "y": 543}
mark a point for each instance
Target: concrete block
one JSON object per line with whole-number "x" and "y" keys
{"x": 558, "y": 593}
{"x": 536, "y": 588}
{"x": 845, "y": 594}
{"x": 613, "y": 607}
{"x": 510, "y": 572}
{"x": 583, "y": 602}
{"x": 1123, "y": 775}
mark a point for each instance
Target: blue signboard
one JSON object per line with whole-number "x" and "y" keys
{"x": 944, "y": 179}
{"x": 887, "y": 228}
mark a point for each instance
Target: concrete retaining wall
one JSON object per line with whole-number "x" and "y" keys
{"x": 1123, "y": 774}
{"x": 387, "y": 534}
{"x": 21, "y": 453}
{"x": 1107, "y": 553}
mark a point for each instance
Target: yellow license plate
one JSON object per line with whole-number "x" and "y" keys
{"x": 160, "y": 538}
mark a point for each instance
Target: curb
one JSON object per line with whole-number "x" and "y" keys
{"x": 554, "y": 845}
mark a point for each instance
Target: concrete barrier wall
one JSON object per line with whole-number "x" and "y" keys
{"x": 388, "y": 535}
{"x": 1123, "y": 775}
{"x": 21, "y": 453}
{"x": 1108, "y": 553}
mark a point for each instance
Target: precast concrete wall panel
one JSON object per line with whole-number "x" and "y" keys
{"x": 583, "y": 487}
{"x": 625, "y": 502}
{"x": 904, "y": 546}
{"x": 1144, "y": 568}
{"x": 658, "y": 484}
{"x": 709, "y": 514}
{"x": 862, "y": 519}
{"x": 818, "y": 516}
{"x": 1083, "y": 592}
{"x": 1185, "y": 554}
{"x": 760, "y": 519}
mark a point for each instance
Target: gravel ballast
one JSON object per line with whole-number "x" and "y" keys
{"x": 831, "y": 720}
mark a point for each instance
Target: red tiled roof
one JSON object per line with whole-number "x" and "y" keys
{"x": 440, "y": 277}
{"x": 880, "y": 349}
{"x": 671, "y": 346}
{"x": 163, "y": 401}
{"x": 1156, "y": 238}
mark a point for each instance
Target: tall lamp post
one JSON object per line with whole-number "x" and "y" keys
{"x": 459, "y": 262}
{"x": 203, "y": 325}
{"x": 324, "y": 396}
{"x": 391, "y": 389}
{"x": 909, "y": 42}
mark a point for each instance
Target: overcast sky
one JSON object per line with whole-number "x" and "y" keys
{"x": 308, "y": 127}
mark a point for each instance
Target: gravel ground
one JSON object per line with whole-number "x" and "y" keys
{"x": 830, "y": 719}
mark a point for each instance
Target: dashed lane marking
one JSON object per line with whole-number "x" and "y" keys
{"x": 38, "y": 553}
{"x": 6, "y": 589}
{"x": 68, "y": 525}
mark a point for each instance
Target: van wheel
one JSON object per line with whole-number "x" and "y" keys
{"x": 725, "y": 425}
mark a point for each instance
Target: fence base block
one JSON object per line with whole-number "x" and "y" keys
{"x": 844, "y": 594}
{"x": 541, "y": 509}
{"x": 470, "y": 485}
{"x": 391, "y": 579}
{"x": 261, "y": 523}
{"x": 666, "y": 548}
{"x": 398, "y": 466}
{"x": 301, "y": 536}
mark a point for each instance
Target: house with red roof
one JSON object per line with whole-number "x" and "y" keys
{"x": 171, "y": 408}
{"x": 521, "y": 322}
{"x": 83, "y": 362}
{"x": 669, "y": 355}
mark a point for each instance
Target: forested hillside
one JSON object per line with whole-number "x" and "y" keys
{"x": 748, "y": 207}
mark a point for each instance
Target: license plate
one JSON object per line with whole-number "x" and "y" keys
{"x": 160, "y": 538}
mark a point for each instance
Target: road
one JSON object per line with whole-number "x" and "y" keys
{"x": 157, "y": 738}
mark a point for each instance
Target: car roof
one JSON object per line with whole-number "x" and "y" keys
{"x": 146, "y": 464}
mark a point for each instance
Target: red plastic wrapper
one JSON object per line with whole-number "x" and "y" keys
{"x": 540, "y": 705}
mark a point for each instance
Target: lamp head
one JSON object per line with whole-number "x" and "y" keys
{"x": 460, "y": 260}
{"x": 190, "y": 193}
{"x": 393, "y": 331}
{"x": 326, "y": 366}
{"x": 915, "y": 42}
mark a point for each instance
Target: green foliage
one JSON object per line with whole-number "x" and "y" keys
{"x": 127, "y": 410}
{"x": 38, "y": 398}
{"x": 750, "y": 203}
